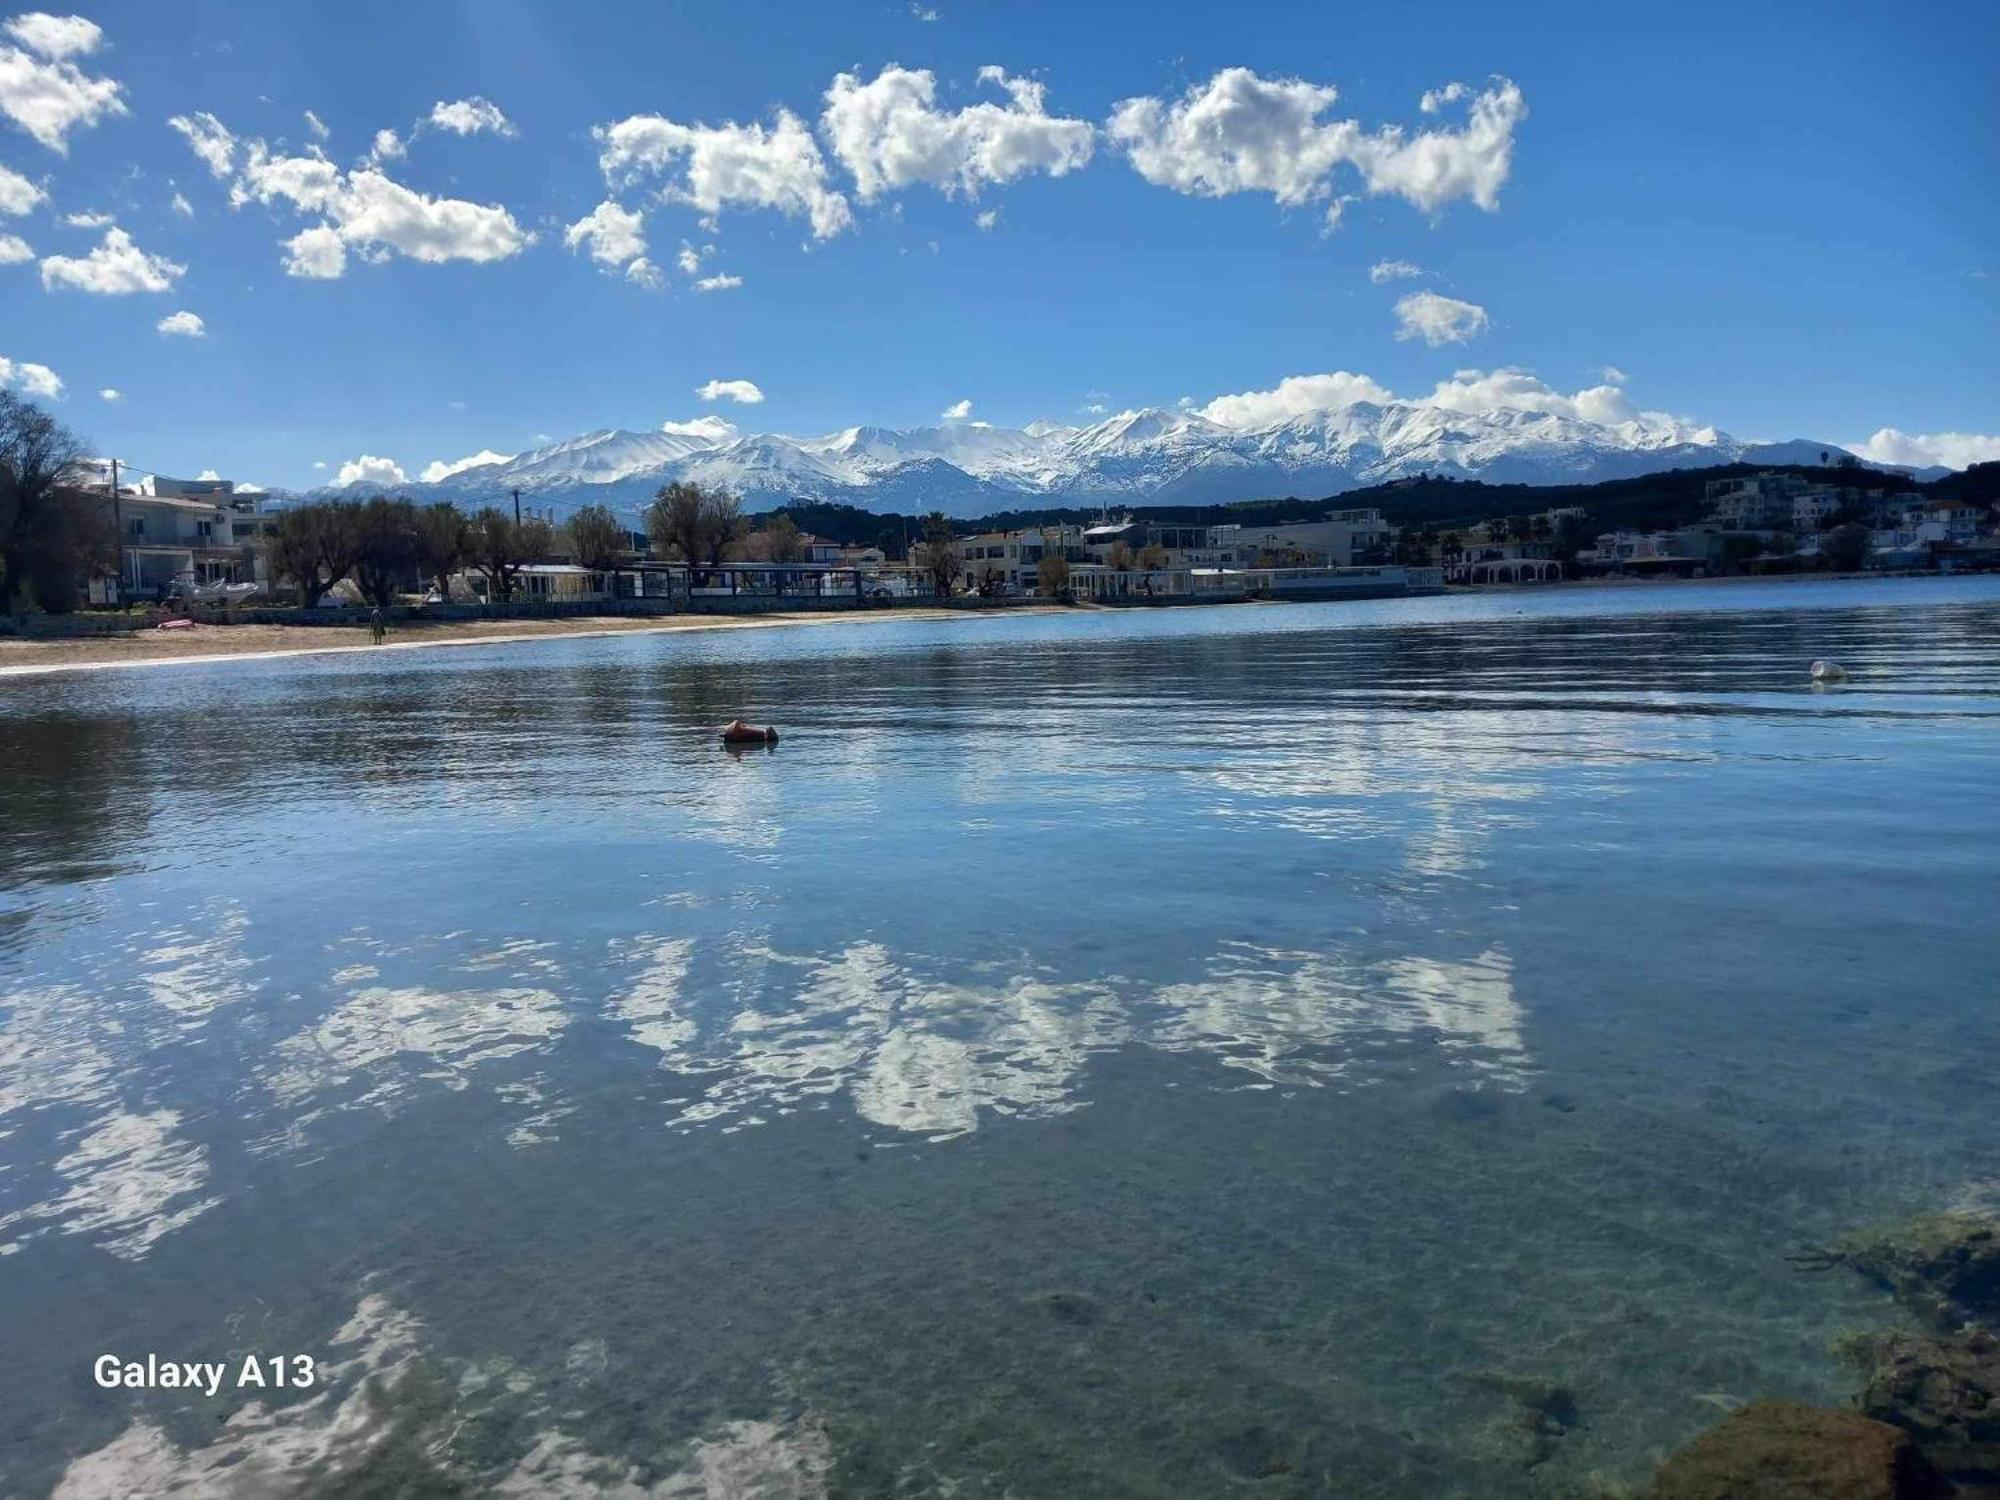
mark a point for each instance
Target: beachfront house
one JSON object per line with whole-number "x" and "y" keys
{"x": 179, "y": 535}
{"x": 1010, "y": 562}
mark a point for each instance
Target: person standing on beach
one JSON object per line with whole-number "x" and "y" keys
{"x": 376, "y": 629}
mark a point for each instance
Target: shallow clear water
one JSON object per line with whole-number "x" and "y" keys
{"x": 1118, "y": 1054}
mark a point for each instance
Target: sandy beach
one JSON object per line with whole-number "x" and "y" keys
{"x": 213, "y": 643}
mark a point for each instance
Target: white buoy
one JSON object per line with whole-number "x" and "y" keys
{"x": 1828, "y": 671}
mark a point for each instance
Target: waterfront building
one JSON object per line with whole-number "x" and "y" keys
{"x": 1010, "y": 561}
{"x": 177, "y": 536}
{"x": 1694, "y": 551}
{"x": 1753, "y": 502}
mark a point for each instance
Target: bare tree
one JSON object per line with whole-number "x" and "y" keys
{"x": 442, "y": 540}
{"x": 315, "y": 546}
{"x": 595, "y": 538}
{"x": 385, "y": 548}
{"x": 499, "y": 546}
{"x": 940, "y": 546}
{"x": 695, "y": 522}
{"x": 779, "y": 540}
{"x": 1052, "y": 575}
{"x": 42, "y": 522}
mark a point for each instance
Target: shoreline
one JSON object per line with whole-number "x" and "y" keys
{"x": 232, "y": 643}
{"x": 228, "y": 643}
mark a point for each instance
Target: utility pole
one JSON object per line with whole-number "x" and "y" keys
{"x": 517, "y": 507}
{"x": 118, "y": 545}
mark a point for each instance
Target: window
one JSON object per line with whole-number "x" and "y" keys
{"x": 136, "y": 526}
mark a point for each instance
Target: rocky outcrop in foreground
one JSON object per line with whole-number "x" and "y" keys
{"x": 1782, "y": 1450}
{"x": 1928, "y": 1423}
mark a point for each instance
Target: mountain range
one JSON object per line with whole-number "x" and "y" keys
{"x": 1149, "y": 457}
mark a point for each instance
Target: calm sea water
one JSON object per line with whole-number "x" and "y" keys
{"x": 1124, "y": 1054}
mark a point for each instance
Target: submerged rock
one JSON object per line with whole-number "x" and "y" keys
{"x": 1944, "y": 1392}
{"x": 1944, "y": 1267}
{"x": 1256, "y": 1453}
{"x": 1077, "y": 1308}
{"x": 1783, "y": 1450}
{"x": 1543, "y": 1412}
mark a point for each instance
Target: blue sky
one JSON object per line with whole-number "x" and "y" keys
{"x": 1777, "y": 219}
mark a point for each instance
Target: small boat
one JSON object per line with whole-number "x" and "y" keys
{"x": 736, "y": 732}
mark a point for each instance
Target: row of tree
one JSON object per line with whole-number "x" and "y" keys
{"x": 381, "y": 544}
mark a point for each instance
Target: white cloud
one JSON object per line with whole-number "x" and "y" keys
{"x": 1393, "y": 270}
{"x": 183, "y": 323}
{"x": 1294, "y": 396}
{"x": 714, "y": 429}
{"x": 208, "y": 474}
{"x": 1922, "y": 450}
{"x": 987, "y": 220}
{"x": 88, "y": 221}
{"x": 14, "y": 250}
{"x": 45, "y": 93}
{"x": 309, "y": 183}
{"x": 1242, "y": 133}
{"x": 388, "y": 145}
{"x": 1436, "y": 167}
{"x": 890, "y": 133}
{"x": 365, "y": 210}
{"x": 56, "y": 36}
{"x": 316, "y": 254}
{"x": 317, "y": 126}
{"x": 374, "y": 211}
{"x": 745, "y": 391}
{"x": 923, "y": 12}
{"x": 1611, "y": 375}
{"x": 115, "y": 268}
{"x": 726, "y": 166}
{"x": 613, "y": 234}
{"x": 1098, "y": 408}
{"x": 469, "y": 117}
{"x": 1436, "y": 99}
{"x": 439, "y": 468}
{"x": 644, "y": 273}
{"x": 108, "y": 394}
{"x": 33, "y": 379}
{"x": 181, "y": 206}
{"x": 319, "y": 463}
{"x": 958, "y": 411}
{"x": 1439, "y": 320}
{"x": 723, "y": 283}
{"x": 1508, "y": 389}
{"x": 17, "y": 194}
{"x": 210, "y": 140}
{"x": 1236, "y": 133}
{"x": 368, "y": 469}
{"x": 689, "y": 258}
{"x": 1469, "y": 391}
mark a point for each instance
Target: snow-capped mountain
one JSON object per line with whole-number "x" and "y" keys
{"x": 1136, "y": 458}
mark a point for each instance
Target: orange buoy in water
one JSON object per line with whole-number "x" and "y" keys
{"x": 736, "y": 732}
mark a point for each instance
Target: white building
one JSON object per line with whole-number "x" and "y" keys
{"x": 1011, "y": 561}
{"x": 178, "y": 535}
